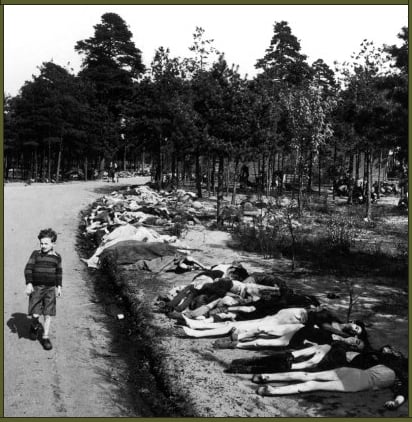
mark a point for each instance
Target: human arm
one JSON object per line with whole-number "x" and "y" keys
{"x": 29, "y": 289}
{"x": 400, "y": 390}
{"x": 315, "y": 353}
{"x": 28, "y": 269}
{"x": 28, "y": 273}
{"x": 395, "y": 403}
{"x": 310, "y": 335}
{"x": 244, "y": 309}
{"x": 191, "y": 260}
{"x": 59, "y": 291}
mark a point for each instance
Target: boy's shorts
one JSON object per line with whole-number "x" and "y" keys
{"x": 42, "y": 301}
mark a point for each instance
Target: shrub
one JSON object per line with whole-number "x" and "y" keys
{"x": 258, "y": 238}
{"x": 179, "y": 227}
{"x": 341, "y": 233}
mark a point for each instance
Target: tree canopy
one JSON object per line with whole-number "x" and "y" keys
{"x": 188, "y": 115}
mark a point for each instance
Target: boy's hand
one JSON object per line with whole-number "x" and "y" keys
{"x": 29, "y": 289}
{"x": 59, "y": 291}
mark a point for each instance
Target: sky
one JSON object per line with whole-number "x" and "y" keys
{"x": 41, "y": 33}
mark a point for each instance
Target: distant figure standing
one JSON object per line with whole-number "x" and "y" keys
{"x": 244, "y": 175}
{"x": 43, "y": 274}
{"x": 111, "y": 172}
{"x": 115, "y": 173}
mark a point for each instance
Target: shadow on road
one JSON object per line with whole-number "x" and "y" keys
{"x": 20, "y": 323}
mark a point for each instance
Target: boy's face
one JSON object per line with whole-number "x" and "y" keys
{"x": 46, "y": 244}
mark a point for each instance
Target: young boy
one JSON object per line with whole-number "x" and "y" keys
{"x": 43, "y": 273}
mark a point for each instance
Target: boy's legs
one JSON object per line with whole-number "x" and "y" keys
{"x": 47, "y": 321}
{"x": 35, "y": 310}
{"x": 49, "y": 310}
{"x": 35, "y": 327}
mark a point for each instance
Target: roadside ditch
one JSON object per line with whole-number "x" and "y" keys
{"x": 125, "y": 300}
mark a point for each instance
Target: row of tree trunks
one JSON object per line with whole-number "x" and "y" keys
{"x": 220, "y": 176}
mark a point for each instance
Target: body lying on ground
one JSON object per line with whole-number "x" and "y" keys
{"x": 243, "y": 299}
{"x": 206, "y": 287}
{"x": 271, "y": 326}
{"x": 126, "y": 233}
{"x": 289, "y": 335}
{"x": 368, "y": 371}
{"x": 318, "y": 356}
{"x": 197, "y": 300}
{"x": 151, "y": 256}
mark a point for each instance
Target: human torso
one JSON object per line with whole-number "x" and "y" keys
{"x": 45, "y": 268}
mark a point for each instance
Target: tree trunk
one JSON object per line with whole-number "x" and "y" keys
{"x": 379, "y": 174}
{"x": 320, "y": 171}
{"x": 143, "y": 162}
{"x": 235, "y": 178}
{"x": 368, "y": 184}
{"x": 255, "y": 172}
{"x": 228, "y": 177}
{"x": 219, "y": 200}
{"x": 295, "y": 171}
{"x": 268, "y": 177}
{"x": 213, "y": 175}
{"x": 124, "y": 157}
{"x": 208, "y": 175}
{"x": 198, "y": 175}
{"x": 183, "y": 172}
{"x": 102, "y": 166}
{"x": 86, "y": 169}
{"x": 160, "y": 169}
{"x": 59, "y": 157}
{"x": 357, "y": 165}
{"x": 300, "y": 190}
{"x": 177, "y": 173}
{"x": 310, "y": 170}
{"x": 351, "y": 301}
{"x": 49, "y": 164}
{"x": 335, "y": 152}
{"x": 36, "y": 165}
{"x": 282, "y": 178}
{"x": 173, "y": 169}
{"x": 43, "y": 164}
{"x": 262, "y": 176}
{"x": 365, "y": 170}
{"x": 350, "y": 169}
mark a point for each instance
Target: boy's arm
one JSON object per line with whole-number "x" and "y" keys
{"x": 28, "y": 269}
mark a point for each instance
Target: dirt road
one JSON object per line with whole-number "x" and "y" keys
{"x": 80, "y": 376}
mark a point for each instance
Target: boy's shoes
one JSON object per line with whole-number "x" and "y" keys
{"x": 35, "y": 329}
{"x": 46, "y": 343}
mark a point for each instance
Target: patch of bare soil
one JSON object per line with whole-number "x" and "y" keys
{"x": 190, "y": 371}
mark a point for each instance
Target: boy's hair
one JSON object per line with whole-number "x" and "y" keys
{"x": 50, "y": 233}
